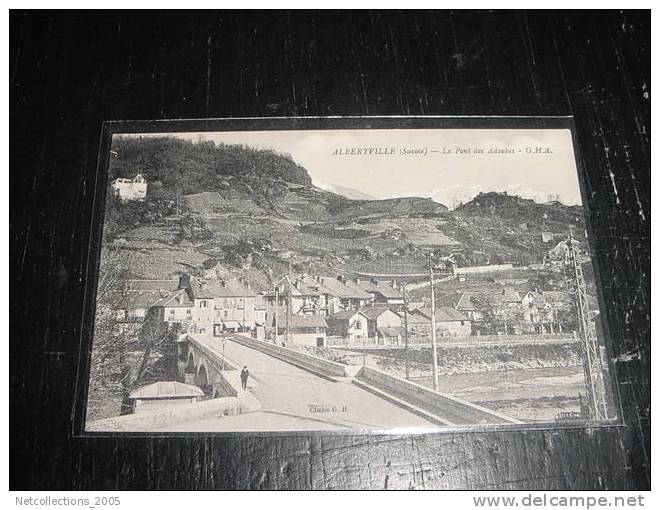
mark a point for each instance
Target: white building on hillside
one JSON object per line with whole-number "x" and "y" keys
{"x": 130, "y": 189}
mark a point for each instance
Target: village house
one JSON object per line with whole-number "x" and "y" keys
{"x": 547, "y": 237}
{"x": 190, "y": 305}
{"x": 448, "y": 322}
{"x": 203, "y": 300}
{"x": 177, "y": 308}
{"x": 310, "y": 330}
{"x": 541, "y": 310}
{"x": 130, "y": 189}
{"x": 306, "y": 299}
{"x": 320, "y": 295}
{"x": 502, "y": 305}
{"x": 550, "y": 311}
{"x": 234, "y": 307}
{"x": 384, "y": 325}
{"x": 132, "y": 300}
{"x": 382, "y": 291}
{"x": 343, "y": 294}
{"x": 349, "y": 324}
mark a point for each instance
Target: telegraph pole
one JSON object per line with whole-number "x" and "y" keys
{"x": 277, "y": 306}
{"x": 433, "y": 333}
{"x": 289, "y": 308}
{"x": 405, "y": 330}
{"x": 244, "y": 302}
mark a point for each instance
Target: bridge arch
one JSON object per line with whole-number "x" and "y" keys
{"x": 191, "y": 365}
{"x": 202, "y": 380}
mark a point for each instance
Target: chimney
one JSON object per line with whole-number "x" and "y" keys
{"x": 357, "y": 280}
{"x": 394, "y": 284}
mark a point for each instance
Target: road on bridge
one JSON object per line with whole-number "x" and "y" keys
{"x": 294, "y": 399}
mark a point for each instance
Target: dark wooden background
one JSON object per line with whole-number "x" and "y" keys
{"x": 71, "y": 71}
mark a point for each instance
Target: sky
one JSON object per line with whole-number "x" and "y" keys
{"x": 438, "y": 163}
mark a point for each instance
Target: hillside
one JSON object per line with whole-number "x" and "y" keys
{"x": 235, "y": 210}
{"x": 519, "y": 209}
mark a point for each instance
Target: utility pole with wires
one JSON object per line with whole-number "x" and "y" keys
{"x": 277, "y": 307}
{"x": 245, "y": 287}
{"x": 405, "y": 329}
{"x": 434, "y": 342}
{"x": 289, "y": 307}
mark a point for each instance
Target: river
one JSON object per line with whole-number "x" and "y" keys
{"x": 532, "y": 394}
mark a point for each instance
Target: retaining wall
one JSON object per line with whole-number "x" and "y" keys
{"x": 154, "y": 420}
{"x": 483, "y": 269}
{"x": 297, "y": 358}
{"x": 447, "y": 407}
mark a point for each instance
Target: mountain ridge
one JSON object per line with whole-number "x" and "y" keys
{"x": 244, "y": 209}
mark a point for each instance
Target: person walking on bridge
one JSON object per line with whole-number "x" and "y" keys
{"x": 245, "y": 373}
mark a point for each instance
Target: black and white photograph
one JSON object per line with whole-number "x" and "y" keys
{"x": 345, "y": 279}
{"x": 342, "y": 248}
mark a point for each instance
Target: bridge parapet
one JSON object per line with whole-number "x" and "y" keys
{"x": 201, "y": 365}
{"x": 448, "y": 409}
{"x": 302, "y": 360}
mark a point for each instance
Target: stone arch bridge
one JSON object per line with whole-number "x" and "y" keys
{"x": 202, "y": 367}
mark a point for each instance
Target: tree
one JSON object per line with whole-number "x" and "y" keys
{"x": 125, "y": 353}
{"x": 108, "y": 379}
{"x": 497, "y": 314}
{"x": 487, "y": 307}
{"x": 156, "y": 358}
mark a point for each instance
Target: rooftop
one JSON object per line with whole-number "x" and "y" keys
{"x": 344, "y": 315}
{"x": 344, "y": 288}
{"x": 387, "y": 289}
{"x": 375, "y": 311}
{"x": 306, "y": 321}
{"x": 178, "y": 298}
{"x": 231, "y": 287}
{"x": 496, "y": 296}
{"x": 444, "y": 314}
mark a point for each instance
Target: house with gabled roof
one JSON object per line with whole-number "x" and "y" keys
{"x": 317, "y": 295}
{"x": 203, "y": 300}
{"x": 448, "y": 322}
{"x": 350, "y": 324}
{"x": 382, "y": 291}
{"x": 500, "y": 303}
{"x": 343, "y": 294}
{"x": 385, "y": 325}
{"x": 546, "y": 311}
{"x": 469, "y": 302}
{"x": 133, "y": 298}
{"x": 176, "y": 308}
{"x": 308, "y": 330}
{"x": 234, "y": 307}
{"x": 307, "y": 295}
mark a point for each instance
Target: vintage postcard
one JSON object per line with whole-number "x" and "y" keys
{"x": 306, "y": 278}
